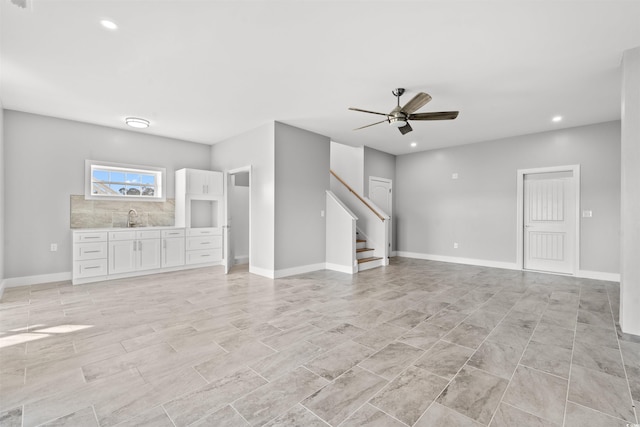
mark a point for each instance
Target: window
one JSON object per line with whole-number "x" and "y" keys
{"x": 106, "y": 181}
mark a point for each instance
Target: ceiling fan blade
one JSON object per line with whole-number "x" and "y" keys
{"x": 441, "y": 115}
{"x": 367, "y": 111}
{"x": 376, "y": 123}
{"x": 416, "y": 103}
{"x": 405, "y": 129}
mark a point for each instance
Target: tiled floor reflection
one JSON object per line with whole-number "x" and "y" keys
{"x": 416, "y": 343}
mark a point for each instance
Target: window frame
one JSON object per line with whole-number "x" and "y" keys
{"x": 160, "y": 194}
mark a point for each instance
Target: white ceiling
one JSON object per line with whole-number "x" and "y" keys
{"x": 206, "y": 70}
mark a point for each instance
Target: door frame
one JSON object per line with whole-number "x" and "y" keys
{"x": 228, "y": 175}
{"x": 575, "y": 169}
{"x": 390, "y": 182}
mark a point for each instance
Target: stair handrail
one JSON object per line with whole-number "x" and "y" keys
{"x": 357, "y": 195}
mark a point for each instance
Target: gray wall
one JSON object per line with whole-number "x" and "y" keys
{"x": 348, "y": 163}
{"x": 302, "y": 178}
{"x": 382, "y": 165}
{"x": 255, "y": 148}
{"x": 44, "y": 158}
{"x": 478, "y": 210}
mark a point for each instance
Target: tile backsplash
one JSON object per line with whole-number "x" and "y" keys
{"x": 113, "y": 213}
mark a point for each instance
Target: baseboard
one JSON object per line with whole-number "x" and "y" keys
{"x": 458, "y": 260}
{"x": 261, "y": 272}
{"x": 2, "y": 286}
{"x": 598, "y": 275}
{"x": 13, "y": 282}
{"x": 584, "y": 274}
{"x": 341, "y": 268}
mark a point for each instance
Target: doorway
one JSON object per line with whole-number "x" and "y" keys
{"x": 548, "y": 219}
{"x": 237, "y": 228}
{"x": 381, "y": 194}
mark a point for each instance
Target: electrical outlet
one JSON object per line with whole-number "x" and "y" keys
{"x": 454, "y": 175}
{"x": 322, "y": 214}
{"x": 54, "y": 247}
{"x": 455, "y": 246}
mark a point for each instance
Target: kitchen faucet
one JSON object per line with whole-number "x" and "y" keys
{"x": 130, "y": 222}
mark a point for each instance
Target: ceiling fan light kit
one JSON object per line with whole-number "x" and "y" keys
{"x": 399, "y": 117}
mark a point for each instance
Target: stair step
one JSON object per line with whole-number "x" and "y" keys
{"x": 360, "y": 261}
{"x": 363, "y": 249}
{"x": 360, "y": 241}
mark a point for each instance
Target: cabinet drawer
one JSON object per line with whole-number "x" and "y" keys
{"x": 148, "y": 234}
{"x": 85, "y": 251}
{"x": 203, "y": 256}
{"x": 173, "y": 233}
{"x": 208, "y": 231}
{"x": 122, "y": 235}
{"x": 90, "y": 268}
{"x": 209, "y": 242}
{"x": 91, "y": 236}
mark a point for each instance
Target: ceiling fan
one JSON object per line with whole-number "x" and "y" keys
{"x": 399, "y": 117}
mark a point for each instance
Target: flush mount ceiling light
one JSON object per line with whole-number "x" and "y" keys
{"x": 136, "y": 122}
{"x": 556, "y": 119}
{"x": 109, "y": 25}
{"x": 414, "y": 144}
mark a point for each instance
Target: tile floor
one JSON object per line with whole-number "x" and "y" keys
{"x": 417, "y": 343}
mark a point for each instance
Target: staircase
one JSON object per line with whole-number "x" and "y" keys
{"x": 364, "y": 255}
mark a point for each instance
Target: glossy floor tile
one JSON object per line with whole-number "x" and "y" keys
{"x": 417, "y": 343}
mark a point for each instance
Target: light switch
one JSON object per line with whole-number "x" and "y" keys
{"x": 587, "y": 214}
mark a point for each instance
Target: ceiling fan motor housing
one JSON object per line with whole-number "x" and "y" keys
{"x": 397, "y": 118}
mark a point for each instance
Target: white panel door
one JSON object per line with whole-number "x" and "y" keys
{"x": 550, "y": 222}
{"x": 381, "y": 193}
{"x": 226, "y": 235}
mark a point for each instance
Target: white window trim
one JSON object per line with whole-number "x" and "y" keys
{"x": 160, "y": 186}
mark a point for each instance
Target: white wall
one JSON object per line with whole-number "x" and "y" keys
{"x": 255, "y": 148}
{"x": 44, "y": 163}
{"x": 348, "y": 163}
{"x": 2, "y": 209}
{"x": 302, "y": 178}
{"x": 630, "y": 208}
{"x": 478, "y": 210}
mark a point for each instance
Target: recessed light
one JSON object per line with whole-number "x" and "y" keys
{"x": 556, "y": 119}
{"x": 109, "y": 25}
{"x": 136, "y": 122}
{"x": 414, "y": 144}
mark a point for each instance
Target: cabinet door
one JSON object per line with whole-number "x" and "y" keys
{"x": 196, "y": 182}
{"x": 148, "y": 254}
{"x": 122, "y": 256}
{"x": 215, "y": 185}
{"x": 172, "y": 251}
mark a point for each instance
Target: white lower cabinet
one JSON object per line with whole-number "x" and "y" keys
{"x": 204, "y": 245}
{"x": 112, "y": 254}
{"x": 173, "y": 248}
{"x": 89, "y": 255}
{"x": 134, "y": 251}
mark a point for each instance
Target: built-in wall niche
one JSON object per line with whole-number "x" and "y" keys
{"x": 199, "y": 198}
{"x": 204, "y": 213}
